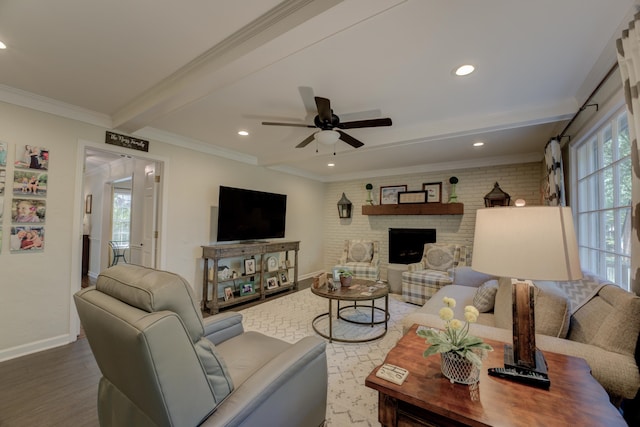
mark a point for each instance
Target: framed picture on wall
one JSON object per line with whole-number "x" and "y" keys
{"x": 434, "y": 191}
{"x": 389, "y": 194}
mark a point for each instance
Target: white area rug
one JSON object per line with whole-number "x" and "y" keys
{"x": 349, "y": 402}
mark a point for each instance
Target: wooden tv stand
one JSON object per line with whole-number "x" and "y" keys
{"x": 213, "y": 301}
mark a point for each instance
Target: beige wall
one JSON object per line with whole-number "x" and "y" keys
{"x": 36, "y": 310}
{"x": 521, "y": 181}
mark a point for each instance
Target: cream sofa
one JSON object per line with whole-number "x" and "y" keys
{"x": 603, "y": 330}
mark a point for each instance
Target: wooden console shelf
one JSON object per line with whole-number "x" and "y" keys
{"x": 415, "y": 209}
{"x": 213, "y": 287}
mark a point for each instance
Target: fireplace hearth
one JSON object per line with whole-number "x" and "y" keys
{"x": 406, "y": 244}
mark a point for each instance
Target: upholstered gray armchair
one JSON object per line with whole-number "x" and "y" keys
{"x": 162, "y": 365}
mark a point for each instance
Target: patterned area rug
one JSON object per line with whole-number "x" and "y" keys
{"x": 289, "y": 318}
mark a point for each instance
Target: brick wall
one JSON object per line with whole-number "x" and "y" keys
{"x": 521, "y": 181}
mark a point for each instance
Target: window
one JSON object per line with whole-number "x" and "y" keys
{"x": 603, "y": 195}
{"x": 121, "y": 214}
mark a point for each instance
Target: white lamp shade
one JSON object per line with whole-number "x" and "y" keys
{"x": 327, "y": 137}
{"x": 531, "y": 243}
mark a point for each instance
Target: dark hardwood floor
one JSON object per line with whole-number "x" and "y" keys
{"x": 56, "y": 387}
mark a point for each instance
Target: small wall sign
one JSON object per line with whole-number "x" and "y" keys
{"x": 126, "y": 141}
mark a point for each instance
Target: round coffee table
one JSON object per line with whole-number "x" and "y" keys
{"x": 360, "y": 290}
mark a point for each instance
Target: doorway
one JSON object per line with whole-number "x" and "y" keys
{"x": 108, "y": 175}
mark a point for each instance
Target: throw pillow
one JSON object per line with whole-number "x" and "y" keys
{"x": 620, "y": 328}
{"x": 360, "y": 252}
{"x": 439, "y": 257}
{"x": 485, "y": 296}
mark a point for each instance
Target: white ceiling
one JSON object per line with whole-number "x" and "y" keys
{"x": 196, "y": 72}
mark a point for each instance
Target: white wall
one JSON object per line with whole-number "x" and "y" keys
{"x": 36, "y": 310}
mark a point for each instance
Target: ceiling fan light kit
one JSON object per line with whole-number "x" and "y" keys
{"x": 327, "y": 137}
{"x": 327, "y": 122}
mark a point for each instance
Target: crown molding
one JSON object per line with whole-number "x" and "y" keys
{"x": 30, "y": 100}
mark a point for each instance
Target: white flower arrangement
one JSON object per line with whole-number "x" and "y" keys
{"x": 455, "y": 336}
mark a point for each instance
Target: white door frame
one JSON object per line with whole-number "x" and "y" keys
{"x": 78, "y": 212}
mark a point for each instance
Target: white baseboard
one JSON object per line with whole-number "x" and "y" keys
{"x": 35, "y": 347}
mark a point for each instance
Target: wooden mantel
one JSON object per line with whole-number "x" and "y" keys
{"x": 415, "y": 209}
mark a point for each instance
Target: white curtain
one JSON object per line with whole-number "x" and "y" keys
{"x": 629, "y": 61}
{"x": 554, "y": 194}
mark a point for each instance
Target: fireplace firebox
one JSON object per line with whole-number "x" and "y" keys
{"x": 406, "y": 244}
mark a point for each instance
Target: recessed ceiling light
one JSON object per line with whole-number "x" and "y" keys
{"x": 478, "y": 144}
{"x": 243, "y": 132}
{"x": 464, "y": 70}
{"x": 331, "y": 164}
{"x": 3, "y": 46}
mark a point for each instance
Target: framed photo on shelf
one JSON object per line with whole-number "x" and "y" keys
{"x": 434, "y": 191}
{"x": 389, "y": 194}
{"x": 284, "y": 279}
{"x": 272, "y": 282}
{"x": 249, "y": 266}
{"x": 412, "y": 197}
{"x": 228, "y": 293}
{"x": 246, "y": 288}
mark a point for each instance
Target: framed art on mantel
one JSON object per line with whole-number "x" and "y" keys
{"x": 389, "y": 195}
{"x": 434, "y": 191}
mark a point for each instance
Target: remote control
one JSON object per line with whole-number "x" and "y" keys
{"x": 529, "y": 378}
{"x": 392, "y": 373}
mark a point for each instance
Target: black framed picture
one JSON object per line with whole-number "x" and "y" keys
{"x": 249, "y": 266}
{"x": 434, "y": 191}
{"x": 272, "y": 282}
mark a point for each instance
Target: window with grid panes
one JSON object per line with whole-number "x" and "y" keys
{"x": 603, "y": 195}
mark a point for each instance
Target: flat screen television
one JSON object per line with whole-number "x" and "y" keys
{"x": 250, "y": 215}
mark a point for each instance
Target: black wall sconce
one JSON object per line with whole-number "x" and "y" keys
{"x": 344, "y": 207}
{"x": 496, "y": 197}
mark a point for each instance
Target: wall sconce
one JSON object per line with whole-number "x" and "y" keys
{"x": 496, "y": 197}
{"x": 344, "y": 207}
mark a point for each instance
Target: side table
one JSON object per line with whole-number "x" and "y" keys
{"x": 428, "y": 398}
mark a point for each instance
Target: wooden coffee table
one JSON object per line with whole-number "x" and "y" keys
{"x": 428, "y": 398}
{"x": 360, "y": 290}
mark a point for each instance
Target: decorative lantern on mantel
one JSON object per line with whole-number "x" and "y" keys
{"x": 497, "y": 197}
{"x": 344, "y": 207}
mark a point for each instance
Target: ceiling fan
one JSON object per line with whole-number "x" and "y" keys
{"x": 329, "y": 125}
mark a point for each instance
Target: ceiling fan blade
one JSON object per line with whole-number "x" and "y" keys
{"x": 306, "y": 141}
{"x": 324, "y": 109}
{"x": 300, "y": 125}
{"x": 350, "y": 140}
{"x": 365, "y": 123}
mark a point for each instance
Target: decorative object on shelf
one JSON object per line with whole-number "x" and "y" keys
{"x": 496, "y": 197}
{"x": 453, "y": 197}
{"x": 284, "y": 278}
{"x": 345, "y": 277}
{"x": 389, "y": 194}
{"x": 455, "y": 338}
{"x": 246, "y": 288}
{"x": 272, "y": 263}
{"x": 272, "y": 282}
{"x": 249, "y": 266}
{"x": 224, "y": 272}
{"x": 533, "y": 243}
{"x": 405, "y": 197}
{"x": 228, "y": 293}
{"x": 434, "y": 191}
{"x": 344, "y": 207}
{"x": 369, "y": 187}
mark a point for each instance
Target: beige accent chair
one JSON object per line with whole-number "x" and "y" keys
{"x": 163, "y": 365}
{"x": 362, "y": 258}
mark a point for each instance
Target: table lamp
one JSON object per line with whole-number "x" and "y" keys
{"x": 526, "y": 243}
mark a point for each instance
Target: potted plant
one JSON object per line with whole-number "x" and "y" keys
{"x": 345, "y": 277}
{"x": 461, "y": 353}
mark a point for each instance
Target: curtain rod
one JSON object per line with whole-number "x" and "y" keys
{"x": 585, "y": 105}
